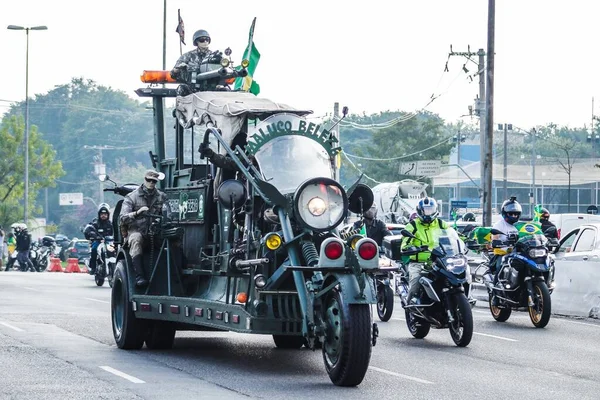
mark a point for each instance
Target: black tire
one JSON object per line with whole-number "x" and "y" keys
{"x": 385, "y": 303}
{"x": 461, "y": 329}
{"x": 418, "y": 331}
{"x": 348, "y": 340}
{"x": 160, "y": 335}
{"x": 540, "y": 312}
{"x": 288, "y": 342}
{"x": 128, "y": 331}
{"x": 499, "y": 314}
{"x": 99, "y": 280}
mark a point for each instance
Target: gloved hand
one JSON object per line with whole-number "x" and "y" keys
{"x": 141, "y": 210}
{"x": 205, "y": 151}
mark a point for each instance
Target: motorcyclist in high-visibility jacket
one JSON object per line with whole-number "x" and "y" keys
{"x": 423, "y": 228}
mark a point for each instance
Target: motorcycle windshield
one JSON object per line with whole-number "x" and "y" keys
{"x": 449, "y": 242}
{"x": 287, "y": 161}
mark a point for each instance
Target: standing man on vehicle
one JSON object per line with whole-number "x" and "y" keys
{"x": 191, "y": 60}
{"x": 134, "y": 225}
{"x": 423, "y": 228}
{"x": 23, "y": 247}
{"x": 95, "y": 232}
{"x": 375, "y": 228}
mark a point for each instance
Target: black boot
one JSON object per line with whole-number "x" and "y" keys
{"x": 92, "y": 265}
{"x": 140, "y": 280}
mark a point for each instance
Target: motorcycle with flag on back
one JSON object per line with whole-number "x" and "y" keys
{"x": 248, "y": 242}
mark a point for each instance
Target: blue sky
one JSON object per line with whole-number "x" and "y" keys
{"x": 371, "y": 56}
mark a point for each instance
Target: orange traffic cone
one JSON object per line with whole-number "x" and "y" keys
{"x": 55, "y": 265}
{"x": 84, "y": 269}
{"x": 73, "y": 265}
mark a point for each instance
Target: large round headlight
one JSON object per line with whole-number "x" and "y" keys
{"x": 320, "y": 204}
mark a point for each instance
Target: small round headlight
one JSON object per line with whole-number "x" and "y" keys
{"x": 245, "y": 63}
{"x": 273, "y": 241}
{"x": 224, "y": 62}
{"x": 317, "y": 206}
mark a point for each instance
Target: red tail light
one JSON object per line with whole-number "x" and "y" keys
{"x": 334, "y": 250}
{"x": 367, "y": 250}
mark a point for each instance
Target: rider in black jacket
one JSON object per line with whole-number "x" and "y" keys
{"x": 376, "y": 228}
{"x": 96, "y": 230}
{"x": 546, "y": 225}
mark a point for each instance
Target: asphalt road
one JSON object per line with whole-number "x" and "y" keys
{"x": 56, "y": 343}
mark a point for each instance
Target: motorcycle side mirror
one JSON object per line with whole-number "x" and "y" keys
{"x": 361, "y": 199}
{"x": 231, "y": 194}
{"x": 406, "y": 233}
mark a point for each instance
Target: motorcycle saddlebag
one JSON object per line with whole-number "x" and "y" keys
{"x": 392, "y": 246}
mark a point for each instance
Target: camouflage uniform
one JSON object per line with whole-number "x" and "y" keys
{"x": 192, "y": 59}
{"x": 136, "y": 227}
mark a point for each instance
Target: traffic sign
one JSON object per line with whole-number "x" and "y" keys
{"x": 421, "y": 168}
{"x": 70, "y": 199}
{"x": 458, "y": 204}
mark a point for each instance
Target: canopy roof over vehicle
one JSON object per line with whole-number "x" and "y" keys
{"x": 227, "y": 110}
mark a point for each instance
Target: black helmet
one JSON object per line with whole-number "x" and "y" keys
{"x": 199, "y": 34}
{"x": 544, "y": 214}
{"x": 511, "y": 210}
{"x": 470, "y": 217}
{"x": 427, "y": 210}
{"x": 103, "y": 208}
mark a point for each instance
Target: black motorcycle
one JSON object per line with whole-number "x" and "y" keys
{"x": 105, "y": 261}
{"x": 443, "y": 303}
{"x": 525, "y": 279}
{"x": 384, "y": 279}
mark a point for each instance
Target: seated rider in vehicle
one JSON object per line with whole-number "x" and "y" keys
{"x": 511, "y": 212}
{"x": 375, "y": 228}
{"x": 96, "y": 230}
{"x": 134, "y": 226}
{"x": 423, "y": 228}
{"x": 547, "y": 225}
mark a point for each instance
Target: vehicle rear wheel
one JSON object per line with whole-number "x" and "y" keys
{"x": 160, "y": 335}
{"x": 128, "y": 331}
{"x": 417, "y": 327}
{"x": 539, "y": 313}
{"x": 348, "y": 342}
{"x": 461, "y": 329}
{"x": 499, "y": 314}
{"x": 99, "y": 279}
{"x": 288, "y": 342}
{"x": 385, "y": 302}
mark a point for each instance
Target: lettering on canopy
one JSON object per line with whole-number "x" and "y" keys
{"x": 290, "y": 124}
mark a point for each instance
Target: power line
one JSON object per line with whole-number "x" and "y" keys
{"x": 400, "y": 157}
{"x": 356, "y": 168}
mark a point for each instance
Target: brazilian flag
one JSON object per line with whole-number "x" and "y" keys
{"x": 528, "y": 228}
{"x": 247, "y": 83}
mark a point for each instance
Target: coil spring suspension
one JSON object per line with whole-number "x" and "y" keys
{"x": 309, "y": 251}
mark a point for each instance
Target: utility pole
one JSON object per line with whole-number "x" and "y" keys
{"x": 533, "y": 158}
{"x": 459, "y": 138}
{"x": 336, "y": 116}
{"x": 480, "y": 106}
{"x": 99, "y": 166}
{"x": 506, "y": 127}
{"x": 489, "y": 118}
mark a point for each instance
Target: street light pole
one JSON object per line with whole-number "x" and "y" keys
{"x": 26, "y": 140}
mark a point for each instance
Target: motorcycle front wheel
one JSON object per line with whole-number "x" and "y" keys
{"x": 417, "y": 327}
{"x": 499, "y": 314}
{"x": 539, "y": 313}
{"x": 461, "y": 329}
{"x": 385, "y": 302}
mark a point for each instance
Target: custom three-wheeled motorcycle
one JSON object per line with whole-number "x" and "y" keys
{"x": 249, "y": 246}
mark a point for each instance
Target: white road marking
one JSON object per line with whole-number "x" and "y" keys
{"x": 122, "y": 374}
{"x": 11, "y": 326}
{"x": 99, "y": 301}
{"x": 495, "y": 337}
{"x": 579, "y": 323}
{"x": 30, "y": 288}
{"x": 411, "y": 378}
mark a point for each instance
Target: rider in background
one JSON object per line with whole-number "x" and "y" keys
{"x": 96, "y": 230}
{"x": 546, "y": 225}
{"x": 423, "y": 228}
{"x": 374, "y": 227}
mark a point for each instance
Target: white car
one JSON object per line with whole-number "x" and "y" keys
{"x": 580, "y": 244}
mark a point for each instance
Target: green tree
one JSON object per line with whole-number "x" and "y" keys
{"x": 43, "y": 168}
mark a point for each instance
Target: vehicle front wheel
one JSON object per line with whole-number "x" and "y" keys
{"x": 417, "y": 327}
{"x": 539, "y": 313}
{"x": 385, "y": 302}
{"x": 128, "y": 331}
{"x": 99, "y": 279}
{"x": 288, "y": 342}
{"x": 499, "y": 314}
{"x": 160, "y": 335}
{"x": 348, "y": 340}
{"x": 461, "y": 329}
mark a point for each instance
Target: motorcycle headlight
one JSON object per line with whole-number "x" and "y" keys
{"x": 538, "y": 252}
{"x": 455, "y": 262}
{"x": 320, "y": 204}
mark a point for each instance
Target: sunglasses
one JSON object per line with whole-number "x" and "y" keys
{"x": 150, "y": 180}
{"x": 513, "y": 214}
{"x": 203, "y": 39}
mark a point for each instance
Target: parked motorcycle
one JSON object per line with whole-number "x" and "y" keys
{"x": 443, "y": 303}
{"x": 525, "y": 279}
{"x": 44, "y": 252}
